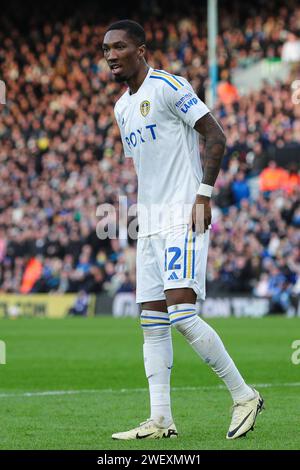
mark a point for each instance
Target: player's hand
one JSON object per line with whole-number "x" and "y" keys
{"x": 201, "y": 214}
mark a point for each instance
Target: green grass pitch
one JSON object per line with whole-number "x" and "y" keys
{"x": 99, "y": 361}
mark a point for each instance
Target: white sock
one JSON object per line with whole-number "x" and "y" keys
{"x": 158, "y": 360}
{"x": 208, "y": 345}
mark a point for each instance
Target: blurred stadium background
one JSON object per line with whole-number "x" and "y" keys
{"x": 61, "y": 157}
{"x": 61, "y": 154}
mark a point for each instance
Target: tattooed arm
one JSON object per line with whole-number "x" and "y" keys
{"x": 215, "y": 141}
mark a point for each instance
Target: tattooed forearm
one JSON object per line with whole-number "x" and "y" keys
{"x": 215, "y": 141}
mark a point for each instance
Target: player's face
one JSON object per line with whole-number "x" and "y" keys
{"x": 122, "y": 54}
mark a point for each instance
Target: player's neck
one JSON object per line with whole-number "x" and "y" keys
{"x": 135, "y": 82}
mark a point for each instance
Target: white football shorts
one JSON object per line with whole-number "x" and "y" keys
{"x": 171, "y": 259}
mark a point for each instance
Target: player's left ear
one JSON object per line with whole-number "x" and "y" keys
{"x": 142, "y": 51}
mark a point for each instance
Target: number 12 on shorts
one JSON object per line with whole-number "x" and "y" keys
{"x": 172, "y": 254}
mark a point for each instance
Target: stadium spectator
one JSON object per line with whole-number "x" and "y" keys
{"x": 292, "y": 180}
{"x": 291, "y": 49}
{"x": 273, "y": 178}
{"x": 80, "y": 307}
{"x": 227, "y": 92}
{"x": 240, "y": 188}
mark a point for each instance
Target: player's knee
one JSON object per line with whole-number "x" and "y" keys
{"x": 183, "y": 317}
{"x": 155, "y": 321}
{"x": 185, "y": 326}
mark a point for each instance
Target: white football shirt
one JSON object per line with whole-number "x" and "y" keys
{"x": 156, "y": 125}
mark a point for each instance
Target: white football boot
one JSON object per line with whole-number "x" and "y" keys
{"x": 147, "y": 430}
{"x": 244, "y": 416}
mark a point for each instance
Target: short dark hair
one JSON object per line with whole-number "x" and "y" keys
{"x": 133, "y": 29}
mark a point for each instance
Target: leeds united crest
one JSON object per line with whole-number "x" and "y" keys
{"x": 145, "y": 108}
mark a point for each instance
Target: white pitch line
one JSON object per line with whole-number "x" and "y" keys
{"x": 135, "y": 390}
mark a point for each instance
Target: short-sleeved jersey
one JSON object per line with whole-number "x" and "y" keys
{"x": 157, "y": 130}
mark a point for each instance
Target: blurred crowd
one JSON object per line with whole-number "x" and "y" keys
{"x": 255, "y": 242}
{"x": 61, "y": 156}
